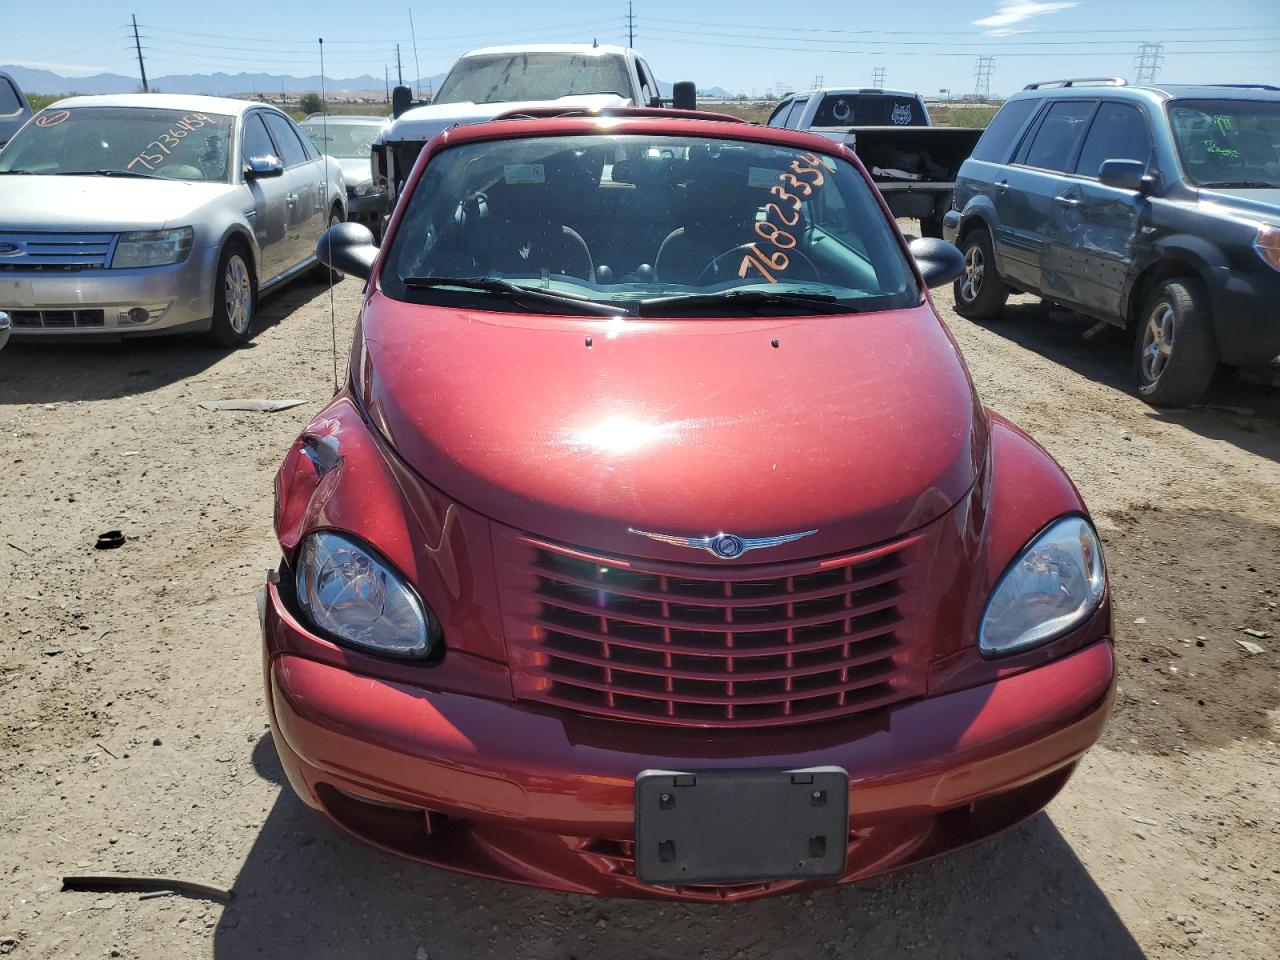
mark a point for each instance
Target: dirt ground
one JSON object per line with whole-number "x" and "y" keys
{"x": 135, "y": 740}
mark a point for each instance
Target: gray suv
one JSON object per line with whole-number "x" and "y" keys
{"x": 1152, "y": 208}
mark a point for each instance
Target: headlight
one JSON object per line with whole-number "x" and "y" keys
{"x": 1267, "y": 243}
{"x": 152, "y": 248}
{"x": 365, "y": 188}
{"x": 1053, "y": 586}
{"x": 350, "y": 592}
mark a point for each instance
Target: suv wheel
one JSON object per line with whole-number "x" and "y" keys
{"x": 980, "y": 293}
{"x": 235, "y": 296}
{"x": 1175, "y": 357}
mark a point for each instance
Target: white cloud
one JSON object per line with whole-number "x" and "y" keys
{"x": 66, "y": 69}
{"x": 1010, "y": 12}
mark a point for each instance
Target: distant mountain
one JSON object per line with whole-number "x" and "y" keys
{"x": 229, "y": 84}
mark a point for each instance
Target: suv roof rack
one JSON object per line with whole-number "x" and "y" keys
{"x": 660, "y": 113}
{"x": 1079, "y": 82}
{"x": 1247, "y": 86}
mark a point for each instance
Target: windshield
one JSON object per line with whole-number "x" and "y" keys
{"x": 627, "y": 220}
{"x": 126, "y": 141}
{"x": 346, "y": 141}
{"x": 1228, "y": 143}
{"x": 508, "y": 77}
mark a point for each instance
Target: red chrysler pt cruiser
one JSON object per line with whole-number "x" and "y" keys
{"x": 657, "y": 544}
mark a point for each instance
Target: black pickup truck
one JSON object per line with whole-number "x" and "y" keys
{"x": 912, "y": 162}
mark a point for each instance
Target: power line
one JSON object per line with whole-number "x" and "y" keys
{"x": 417, "y": 70}
{"x": 276, "y": 41}
{"x": 982, "y": 76}
{"x": 1148, "y": 62}
{"x": 935, "y": 53}
{"x": 773, "y": 29}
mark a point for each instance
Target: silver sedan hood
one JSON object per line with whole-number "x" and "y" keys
{"x": 102, "y": 203}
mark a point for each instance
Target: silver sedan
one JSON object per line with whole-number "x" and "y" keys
{"x": 140, "y": 214}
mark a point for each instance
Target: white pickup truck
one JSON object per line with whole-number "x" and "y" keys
{"x": 493, "y": 81}
{"x": 912, "y": 162}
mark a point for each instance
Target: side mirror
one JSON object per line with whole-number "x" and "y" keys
{"x": 655, "y": 101}
{"x": 939, "y": 262}
{"x": 348, "y": 248}
{"x": 1125, "y": 175}
{"x": 401, "y": 100}
{"x": 684, "y": 95}
{"x": 262, "y": 168}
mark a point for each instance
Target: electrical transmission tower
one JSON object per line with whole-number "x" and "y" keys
{"x": 1148, "y": 62}
{"x": 877, "y": 78}
{"x": 631, "y": 26}
{"x": 818, "y": 81}
{"x": 982, "y": 76}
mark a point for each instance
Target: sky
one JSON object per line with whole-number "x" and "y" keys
{"x": 748, "y": 46}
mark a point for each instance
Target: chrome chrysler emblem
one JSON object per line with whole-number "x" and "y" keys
{"x": 10, "y": 249}
{"x": 726, "y": 546}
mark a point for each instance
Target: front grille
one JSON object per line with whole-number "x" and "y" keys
{"x": 41, "y": 252}
{"x": 715, "y": 646}
{"x": 46, "y": 319}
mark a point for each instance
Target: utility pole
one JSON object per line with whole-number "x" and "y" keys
{"x": 982, "y": 75}
{"x": 417, "y": 70}
{"x": 877, "y": 78}
{"x": 1148, "y": 62}
{"x": 399, "y": 68}
{"x": 386, "y": 79}
{"x": 631, "y": 26}
{"x": 137, "y": 44}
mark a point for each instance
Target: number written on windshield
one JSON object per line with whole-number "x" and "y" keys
{"x": 165, "y": 143}
{"x": 803, "y": 179}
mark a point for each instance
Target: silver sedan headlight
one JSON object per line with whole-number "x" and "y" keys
{"x": 365, "y": 188}
{"x": 351, "y": 593}
{"x": 152, "y": 248}
{"x": 1053, "y": 586}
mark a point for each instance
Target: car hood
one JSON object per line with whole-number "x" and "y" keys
{"x": 422, "y": 123}
{"x": 861, "y": 427}
{"x": 1256, "y": 201}
{"x": 101, "y": 203}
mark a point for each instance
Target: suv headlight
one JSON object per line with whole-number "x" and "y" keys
{"x": 350, "y": 592}
{"x": 152, "y": 248}
{"x": 365, "y": 188}
{"x": 1267, "y": 244}
{"x": 1055, "y": 583}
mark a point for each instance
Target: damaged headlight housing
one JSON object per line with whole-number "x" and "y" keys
{"x": 152, "y": 248}
{"x": 1055, "y": 583}
{"x": 350, "y": 592}
{"x": 365, "y": 188}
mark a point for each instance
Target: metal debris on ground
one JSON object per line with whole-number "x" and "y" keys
{"x": 252, "y": 406}
{"x": 146, "y": 884}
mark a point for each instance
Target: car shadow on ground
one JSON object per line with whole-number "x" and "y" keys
{"x": 306, "y": 891}
{"x": 1235, "y": 410}
{"x": 58, "y": 371}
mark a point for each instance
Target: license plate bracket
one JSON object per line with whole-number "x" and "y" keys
{"x": 740, "y": 826}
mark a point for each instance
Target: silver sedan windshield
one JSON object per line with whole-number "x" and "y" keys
{"x": 125, "y": 141}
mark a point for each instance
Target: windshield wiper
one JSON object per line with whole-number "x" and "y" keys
{"x": 748, "y": 299}
{"x": 515, "y": 292}
{"x": 19, "y": 173}
{"x": 107, "y": 173}
{"x": 1243, "y": 185}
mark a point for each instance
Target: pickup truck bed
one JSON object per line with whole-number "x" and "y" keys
{"x": 914, "y": 167}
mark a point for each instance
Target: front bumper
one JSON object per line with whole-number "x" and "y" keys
{"x": 368, "y": 211}
{"x": 951, "y": 225}
{"x": 58, "y": 304}
{"x": 543, "y": 797}
{"x": 1246, "y": 322}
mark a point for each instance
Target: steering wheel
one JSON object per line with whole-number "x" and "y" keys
{"x": 793, "y": 255}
